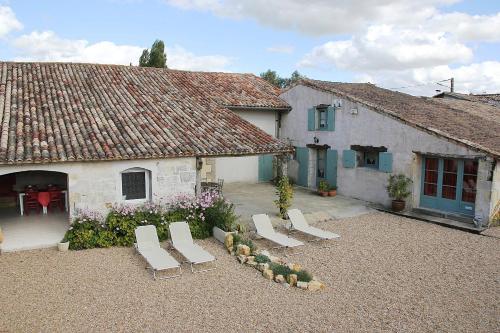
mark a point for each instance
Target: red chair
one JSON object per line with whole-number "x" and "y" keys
{"x": 31, "y": 201}
{"x": 56, "y": 199}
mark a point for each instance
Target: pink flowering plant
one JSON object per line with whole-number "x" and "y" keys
{"x": 202, "y": 213}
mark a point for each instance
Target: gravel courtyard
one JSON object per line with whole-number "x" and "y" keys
{"x": 386, "y": 273}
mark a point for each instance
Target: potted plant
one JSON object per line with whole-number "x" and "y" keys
{"x": 332, "y": 191}
{"x": 398, "y": 191}
{"x": 323, "y": 188}
{"x": 222, "y": 213}
{"x": 284, "y": 191}
{"x": 63, "y": 245}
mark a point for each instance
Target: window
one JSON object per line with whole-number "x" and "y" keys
{"x": 431, "y": 177}
{"x": 135, "y": 184}
{"x": 370, "y": 159}
{"x": 322, "y": 119}
{"x": 469, "y": 181}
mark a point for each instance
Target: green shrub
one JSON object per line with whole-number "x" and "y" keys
{"x": 83, "y": 233}
{"x": 221, "y": 214}
{"x": 105, "y": 238}
{"x": 303, "y": 275}
{"x": 397, "y": 187}
{"x": 123, "y": 226}
{"x": 279, "y": 269}
{"x": 285, "y": 195}
{"x": 262, "y": 259}
{"x": 323, "y": 186}
{"x": 199, "y": 230}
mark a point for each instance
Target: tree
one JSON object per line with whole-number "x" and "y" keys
{"x": 272, "y": 77}
{"x": 155, "y": 57}
{"x": 280, "y": 82}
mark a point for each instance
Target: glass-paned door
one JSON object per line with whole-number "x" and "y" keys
{"x": 320, "y": 166}
{"x": 449, "y": 184}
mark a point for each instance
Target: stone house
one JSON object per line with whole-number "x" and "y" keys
{"x": 121, "y": 134}
{"x": 354, "y": 134}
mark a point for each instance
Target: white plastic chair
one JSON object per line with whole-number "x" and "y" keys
{"x": 182, "y": 241}
{"x": 148, "y": 245}
{"x": 264, "y": 229}
{"x": 299, "y": 223}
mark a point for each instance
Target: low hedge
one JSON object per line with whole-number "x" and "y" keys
{"x": 90, "y": 230}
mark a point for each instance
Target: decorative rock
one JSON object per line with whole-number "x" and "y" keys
{"x": 302, "y": 285}
{"x": 265, "y": 253}
{"x": 250, "y": 258}
{"x": 263, "y": 267}
{"x": 1, "y": 236}
{"x": 242, "y": 259}
{"x": 292, "y": 279}
{"x": 296, "y": 267}
{"x": 252, "y": 264}
{"x": 228, "y": 242}
{"x": 315, "y": 285}
{"x": 286, "y": 285}
{"x": 242, "y": 249}
{"x": 268, "y": 274}
{"x": 279, "y": 278}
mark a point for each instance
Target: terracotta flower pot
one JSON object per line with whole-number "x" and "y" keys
{"x": 323, "y": 194}
{"x": 398, "y": 205}
{"x": 332, "y": 193}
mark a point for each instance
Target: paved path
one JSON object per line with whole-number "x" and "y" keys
{"x": 252, "y": 199}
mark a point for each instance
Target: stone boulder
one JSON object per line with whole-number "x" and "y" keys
{"x": 292, "y": 279}
{"x": 242, "y": 259}
{"x": 228, "y": 242}
{"x": 279, "y": 278}
{"x": 242, "y": 249}
{"x": 262, "y": 267}
{"x": 302, "y": 285}
{"x": 315, "y": 285}
{"x": 268, "y": 274}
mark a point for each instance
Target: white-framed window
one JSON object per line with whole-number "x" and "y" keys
{"x": 135, "y": 185}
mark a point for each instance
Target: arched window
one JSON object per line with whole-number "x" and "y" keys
{"x": 136, "y": 184}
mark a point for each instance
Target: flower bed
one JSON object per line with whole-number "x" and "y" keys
{"x": 90, "y": 229}
{"x": 272, "y": 268}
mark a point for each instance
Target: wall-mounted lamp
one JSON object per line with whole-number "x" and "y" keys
{"x": 316, "y": 140}
{"x": 199, "y": 163}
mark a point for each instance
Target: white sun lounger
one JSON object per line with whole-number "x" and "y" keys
{"x": 182, "y": 241}
{"x": 148, "y": 245}
{"x": 265, "y": 230}
{"x": 299, "y": 222}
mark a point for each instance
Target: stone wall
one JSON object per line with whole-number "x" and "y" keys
{"x": 97, "y": 185}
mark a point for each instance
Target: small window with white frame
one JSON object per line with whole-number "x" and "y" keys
{"x": 135, "y": 184}
{"x": 322, "y": 118}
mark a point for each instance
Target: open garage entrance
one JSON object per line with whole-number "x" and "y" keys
{"x": 33, "y": 209}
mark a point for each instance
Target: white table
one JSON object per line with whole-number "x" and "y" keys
{"x": 21, "y": 202}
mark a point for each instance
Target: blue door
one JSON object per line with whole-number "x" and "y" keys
{"x": 266, "y": 173}
{"x": 449, "y": 184}
{"x": 302, "y": 156}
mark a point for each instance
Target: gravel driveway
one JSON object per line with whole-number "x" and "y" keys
{"x": 386, "y": 273}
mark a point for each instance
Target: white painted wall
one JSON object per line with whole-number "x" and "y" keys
{"x": 367, "y": 128}
{"x": 246, "y": 169}
{"x": 96, "y": 185}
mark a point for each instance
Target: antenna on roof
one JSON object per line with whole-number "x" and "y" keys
{"x": 452, "y": 84}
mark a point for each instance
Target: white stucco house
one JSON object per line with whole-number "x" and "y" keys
{"x": 120, "y": 134}
{"x": 353, "y": 135}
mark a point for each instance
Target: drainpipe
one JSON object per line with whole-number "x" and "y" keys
{"x": 199, "y": 166}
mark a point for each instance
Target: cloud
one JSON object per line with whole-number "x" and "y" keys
{"x": 483, "y": 77}
{"x": 8, "y": 21}
{"x": 180, "y": 58}
{"x": 281, "y": 49}
{"x": 47, "y": 46}
{"x": 466, "y": 27}
{"x": 385, "y": 47}
{"x": 319, "y": 17}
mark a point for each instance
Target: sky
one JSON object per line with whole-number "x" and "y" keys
{"x": 405, "y": 45}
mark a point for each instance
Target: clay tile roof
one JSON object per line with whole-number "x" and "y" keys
{"x": 57, "y": 112}
{"x": 489, "y": 99}
{"x": 473, "y": 124}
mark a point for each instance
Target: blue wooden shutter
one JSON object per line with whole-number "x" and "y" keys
{"x": 330, "y": 118}
{"x": 385, "y": 162}
{"x": 303, "y": 159}
{"x": 311, "y": 119}
{"x": 331, "y": 167}
{"x": 349, "y": 158}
